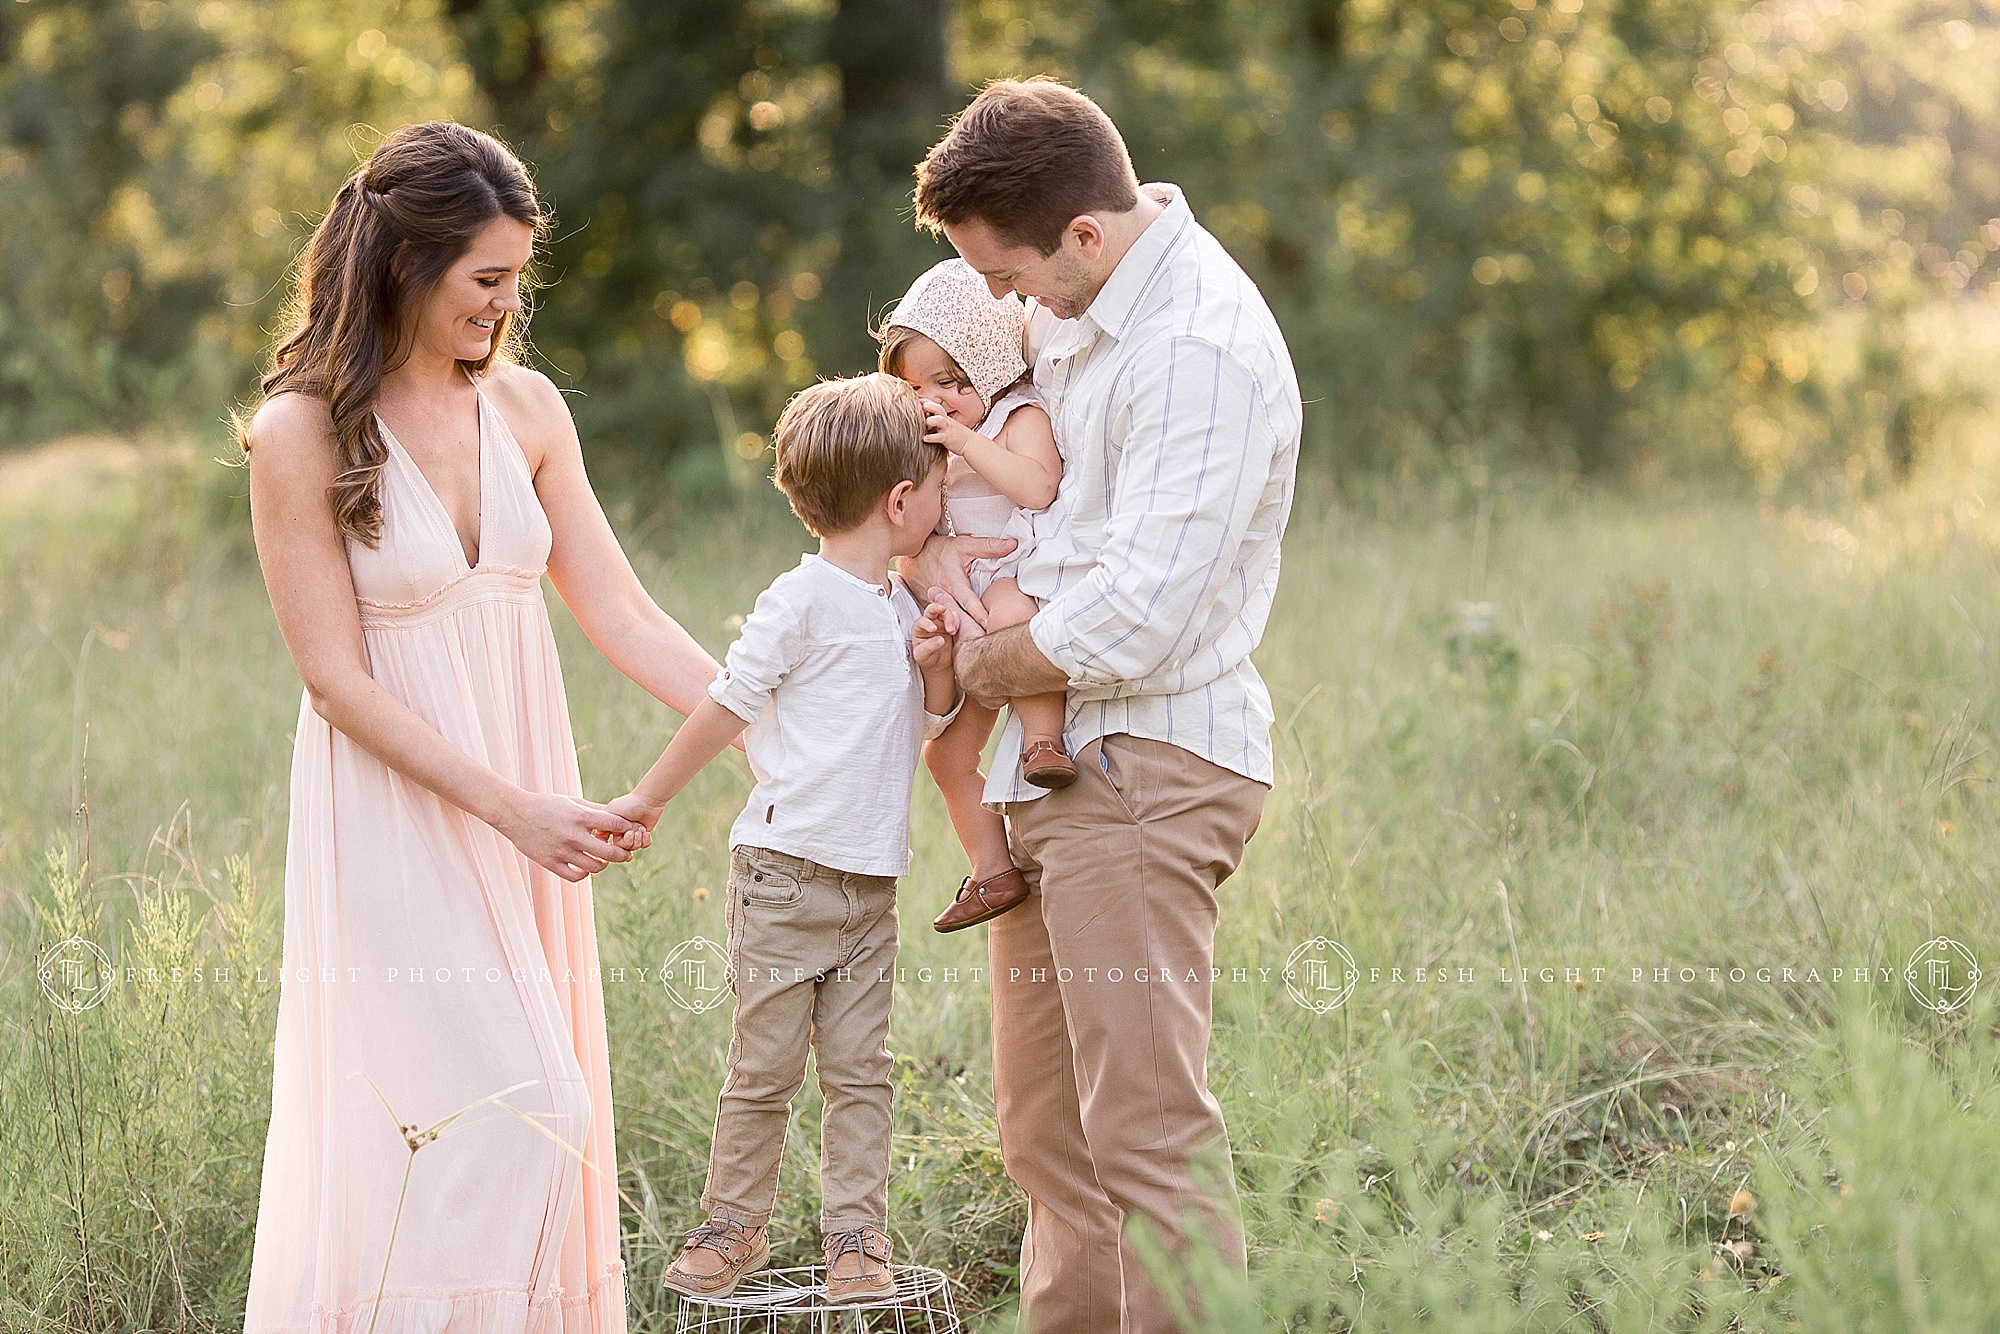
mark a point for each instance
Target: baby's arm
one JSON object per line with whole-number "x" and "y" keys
{"x": 707, "y": 731}
{"x": 1022, "y": 464}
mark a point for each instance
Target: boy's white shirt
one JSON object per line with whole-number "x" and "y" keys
{"x": 823, "y": 674}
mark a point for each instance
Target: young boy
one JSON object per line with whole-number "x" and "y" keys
{"x": 840, "y": 679}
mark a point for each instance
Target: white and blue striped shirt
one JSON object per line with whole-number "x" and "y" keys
{"x": 1177, "y": 414}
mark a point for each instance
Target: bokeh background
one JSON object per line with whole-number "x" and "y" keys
{"x": 1606, "y": 235}
{"x": 1638, "y": 619}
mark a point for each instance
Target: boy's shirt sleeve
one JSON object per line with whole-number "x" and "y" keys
{"x": 771, "y": 644}
{"x": 935, "y": 723}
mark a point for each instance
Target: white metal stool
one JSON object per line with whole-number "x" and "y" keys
{"x": 794, "y": 1301}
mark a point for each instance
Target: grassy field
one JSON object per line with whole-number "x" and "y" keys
{"x": 1532, "y": 738}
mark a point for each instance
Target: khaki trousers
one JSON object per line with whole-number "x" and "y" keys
{"x": 1101, "y": 1017}
{"x": 812, "y": 954}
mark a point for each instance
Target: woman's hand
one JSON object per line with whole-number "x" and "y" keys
{"x": 941, "y": 428}
{"x": 567, "y": 835}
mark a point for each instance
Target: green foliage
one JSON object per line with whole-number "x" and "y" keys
{"x": 1886, "y": 1224}
{"x": 1733, "y": 738}
{"x": 134, "y": 1127}
{"x": 731, "y": 177}
{"x": 1603, "y": 233}
{"x": 159, "y": 162}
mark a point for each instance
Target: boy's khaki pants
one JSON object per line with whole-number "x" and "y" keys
{"x": 1101, "y": 1016}
{"x": 813, "y": 954}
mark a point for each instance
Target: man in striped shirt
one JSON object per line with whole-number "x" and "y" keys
{"x": 1177, "y": 413}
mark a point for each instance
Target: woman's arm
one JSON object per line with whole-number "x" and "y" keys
{"x": 586, "y": 564}
{"x": 1022, "y": 464}
{"x": 304, "y": 558}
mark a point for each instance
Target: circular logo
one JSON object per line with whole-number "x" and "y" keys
{"x": 696, "y": 975}
{"x": 1320, "y": 974}
{"x": 75, "y": 974}
{"x": 1942, "y": 975}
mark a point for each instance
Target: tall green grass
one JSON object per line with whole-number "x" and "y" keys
{"x": 1521, "y": 726}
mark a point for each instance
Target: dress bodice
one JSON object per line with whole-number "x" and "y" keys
{"x": 976, "y": 507}
{"x": 419, "y": 558}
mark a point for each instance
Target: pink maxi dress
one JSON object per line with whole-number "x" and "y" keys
{"x": 424, "y": 952}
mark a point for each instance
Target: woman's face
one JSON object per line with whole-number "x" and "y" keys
{"x": 483, "y": 284}
{"x": 934, "y": 376}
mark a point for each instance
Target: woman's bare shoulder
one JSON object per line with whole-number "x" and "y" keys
{"x": 532, "y": 405}
{"x": 514, "y": 386}
{"x": 292, "y": 433}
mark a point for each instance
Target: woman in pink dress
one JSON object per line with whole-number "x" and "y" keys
{"x": 409, "y": 486}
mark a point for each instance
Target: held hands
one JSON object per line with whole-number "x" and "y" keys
{"x": 569, "y": 836}
{"x": 636, "y": 809}
{"x": 940, "y": 428}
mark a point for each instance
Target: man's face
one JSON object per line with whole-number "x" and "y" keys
{"x": 1066, "y": 281}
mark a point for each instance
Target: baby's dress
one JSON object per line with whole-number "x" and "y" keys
{"x": 974, "y": 508}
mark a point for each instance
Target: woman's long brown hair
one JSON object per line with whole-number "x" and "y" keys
{"x": 398, "y": 224}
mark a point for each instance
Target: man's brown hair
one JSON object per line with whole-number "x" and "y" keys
{"x": 841, "y": 444}
{"x": 1025, "y": 158}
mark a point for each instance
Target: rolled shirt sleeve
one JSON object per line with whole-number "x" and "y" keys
{"x": 771, "y": 643}
{"x": 935, "y": 723}
{"x": 1197, "y": 443}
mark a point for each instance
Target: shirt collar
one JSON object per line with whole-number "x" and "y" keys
{"x": 879, "y": 590}
{"x": 1117, "y": 302}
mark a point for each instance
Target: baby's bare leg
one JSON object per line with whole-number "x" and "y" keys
{"x": 953, "y": 759}
{"x": 1041, "y": 715}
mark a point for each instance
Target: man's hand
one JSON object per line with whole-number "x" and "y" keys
{"x": 963, "y": 655}
{"x": 943, "y": 563}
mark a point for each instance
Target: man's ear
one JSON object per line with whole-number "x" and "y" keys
{"x": 1088, "y": 233}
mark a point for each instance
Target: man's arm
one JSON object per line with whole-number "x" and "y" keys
{"x": 1006, "y": 665}
{"x": 1197, "y": 454}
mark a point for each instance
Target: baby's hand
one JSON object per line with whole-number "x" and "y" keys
{"x": 940, "y": 428}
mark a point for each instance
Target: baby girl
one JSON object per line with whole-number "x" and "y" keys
{"x": 961, "y": 349}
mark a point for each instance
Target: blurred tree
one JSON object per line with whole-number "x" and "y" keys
{"x": 84, "y": 321}
{"x": 159, "y": 164}
{"x": 1592, "y": 231}
{"x": 727, "y": 173}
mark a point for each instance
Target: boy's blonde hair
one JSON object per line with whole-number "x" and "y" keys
{"x": 842, "y": 444}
